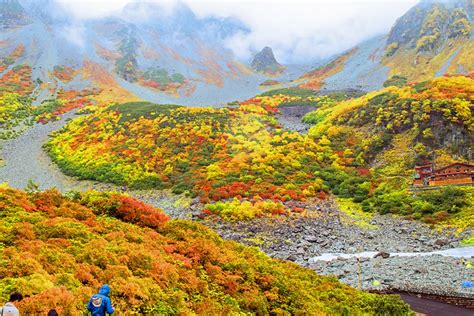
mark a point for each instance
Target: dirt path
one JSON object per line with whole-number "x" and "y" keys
{"x": 434, "y": 308}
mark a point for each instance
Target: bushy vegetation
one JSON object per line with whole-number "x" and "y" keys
{"x": 240, "y": 156}
{"x": 126, "y": 65}
{"x": 58, "y": 250}
{"x": 384, "y": 134}
{"x": 16, "y": 93}
{"x": 433, "y": 206}
{"x": 10, "y": 59}
{"x": 17, "y": 80}
{"x": 240, "y": 153}
{"x": 397, "y": 81}
{"x": 65, "y": 101}
{"x": 430, "y": 39}
{"x": 14, "y": 111}
{"x": 292, "y": 91}
{"x": 131, "y": 111}
{"x": 161, "y": 77}
{"x": 64, "y": 73}
{"x": 215, "y": 154}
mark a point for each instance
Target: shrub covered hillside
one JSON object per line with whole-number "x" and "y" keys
{"x": 384, "y": 134}
{"x": 18, "y": 88}
{"x": 243, "y": 164}
{"x": 216, "y": 154}
{"x": 431, "y": 39}
{"x": 58, "y": 250}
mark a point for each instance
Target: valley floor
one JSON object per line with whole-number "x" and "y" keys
{"x": 303, "y": 239}
{"x": 300, "y": 237}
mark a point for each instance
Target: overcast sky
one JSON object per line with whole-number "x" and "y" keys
{"x": 297, "y": 30}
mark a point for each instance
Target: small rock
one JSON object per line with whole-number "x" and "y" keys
{"x": 339, "y": 273}
{"x": 382, "y": 254}
{"x": 423, "y": 238}
{"x": 441, "y": 242}
{"x": 198, "y": 215}
{"x": 291, "y": 258}
{"x": 311, "y": 238}
{"x": 325, "y": 243}
{"x": 300, "y": 251}
{"x": 421, "y": 270}
{"x": 195, "y": 201}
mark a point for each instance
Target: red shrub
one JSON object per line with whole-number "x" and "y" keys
{"x": 137, "y": 212}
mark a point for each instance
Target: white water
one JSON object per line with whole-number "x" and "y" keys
{"x": 463, "y": 252}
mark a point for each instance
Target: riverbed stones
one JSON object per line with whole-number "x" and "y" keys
{"x": 382, "y": 254}
{"x": 311, "y": 238}
{"x": 441, "y": 241}
{"x": 300, "y": 238}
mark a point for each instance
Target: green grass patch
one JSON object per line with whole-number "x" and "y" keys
{"x": 297, "y": 92}
{"x": 355, "y": 212}
{"x": 133, "y": 110}
{"x": 468, "y": 241}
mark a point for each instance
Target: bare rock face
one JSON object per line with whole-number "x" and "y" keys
{"x": 265, "y": 62}
{"x": 430, "y": 25}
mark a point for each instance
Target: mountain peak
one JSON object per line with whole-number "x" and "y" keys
{"x": 264, "y": 61}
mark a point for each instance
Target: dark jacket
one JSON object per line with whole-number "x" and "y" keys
{"x": 99, "y": 304}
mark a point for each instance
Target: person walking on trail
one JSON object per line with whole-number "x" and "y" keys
{"x": 100, "y": 303}
{"x": 9, "y": 308}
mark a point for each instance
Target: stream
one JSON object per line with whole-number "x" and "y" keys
{"x": 461, "y": 252}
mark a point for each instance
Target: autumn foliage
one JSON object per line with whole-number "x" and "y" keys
{"x": 239, "y": 154}
{"x": 241, "y": 163}
{"x": 58, "y": 250}
{"x": 385, "y": 133}
{"x": 66, "y": 100}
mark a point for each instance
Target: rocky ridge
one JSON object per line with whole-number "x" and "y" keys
{"x": 265, "y": 62}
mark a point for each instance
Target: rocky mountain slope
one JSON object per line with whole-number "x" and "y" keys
{"x": 241, "y": 164}
{"x": 180, "y": 58}
{"x": 432, "y": 39}
{"x": 160, "y": 57}
{"x": 265, "y": 62}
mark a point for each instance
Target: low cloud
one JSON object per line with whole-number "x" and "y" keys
{"x": 298, "y": 31}
{"x": 75, "y": 34}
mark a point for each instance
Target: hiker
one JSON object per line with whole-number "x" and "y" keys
{"x": 9, "y": 308}
{"x": 99, "y": 304}
{"x": 53, "y": 312}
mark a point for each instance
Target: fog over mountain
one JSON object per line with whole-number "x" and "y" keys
{"x": 298, "y": 31}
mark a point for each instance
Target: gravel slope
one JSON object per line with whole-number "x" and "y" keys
{"x": 24, "y": 158}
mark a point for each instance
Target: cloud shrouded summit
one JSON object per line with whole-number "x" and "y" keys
{"x": 298, "y": 31}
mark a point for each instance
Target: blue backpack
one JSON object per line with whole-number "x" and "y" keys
{"x": 100, "y": 303}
